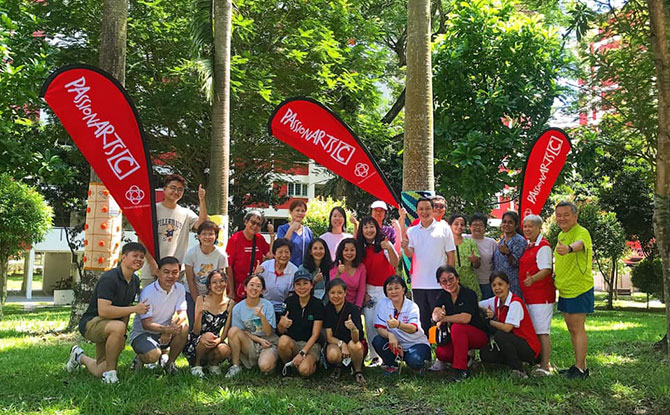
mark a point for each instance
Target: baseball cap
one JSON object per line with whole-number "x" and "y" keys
{"x": 379, "y": 204}
{"x": 302, "y": 274}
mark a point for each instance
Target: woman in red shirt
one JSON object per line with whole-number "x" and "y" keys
{"x": 514, "y": 340}
{"x": 380, "y": 260}
{"x": 246, "y": 250}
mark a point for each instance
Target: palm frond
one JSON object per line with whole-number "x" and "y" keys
{"x": 201, "y": 26}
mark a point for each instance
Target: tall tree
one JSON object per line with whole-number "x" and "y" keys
{"x": 219, "y": 172}
{"x": 660, "y": 23}
{"x": 113, "y": 60}
{"x": 418, "y": 172}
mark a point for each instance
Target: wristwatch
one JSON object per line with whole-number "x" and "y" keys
{"x": 570, "y": 250}
{"x": 339, "y": 344}
{"x": 302, "y": 353}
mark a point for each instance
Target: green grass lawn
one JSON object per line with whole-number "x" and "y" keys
{"x": 627, "y": 377}
{"x": 14, "y": 282}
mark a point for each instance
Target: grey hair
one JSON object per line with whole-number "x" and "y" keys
{"x": 534, "y": 219}
{"x": 567, "y": 203}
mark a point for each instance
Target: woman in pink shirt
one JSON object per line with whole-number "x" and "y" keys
{"x": 349, "y": 267}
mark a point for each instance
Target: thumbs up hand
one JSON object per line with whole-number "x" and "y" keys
{"x": 340, "y": 268}
{"x": 201, "y": 192}
{"x": 350, "y": 324}
{"x": 473, "y": 258}
{"x": 528, "y": 281}
{"x": 392, "y": 323}
{"x": 259, "y": 269}
{"x": 258, "y": 311}
{"x": 439, "y": 313}
{"x": 386, "y": 244}
{"x": 503, "y": 248}
{"x": 562, "y": 249}
{"x": 285, "y": 322}
{"x": 489, "y": 312}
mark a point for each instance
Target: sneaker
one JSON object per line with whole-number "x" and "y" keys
{"x": 539, "y": 372}
{"x": 110, "y": 377}
{"x": 437, "y": 366}
{"x": 214, "y": 370}
{"x": 375, "y": 362}
{"x": 390, "y": 370}
{"x": 576, "y": 373}
{"x": 136, "y": 365}
{"x": 163, "y": 361}
{"x": 233, "y": 371}
{"x": 459, "y": 375}
{"x": 151, "y": 366}
{"x": 73, "y": 361}
{"x": 197, "y": 372}
{"x": 170, "y": 368}
{"x": 519, "y": 374}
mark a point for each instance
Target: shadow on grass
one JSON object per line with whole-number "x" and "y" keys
{"x": 626, "y": 378}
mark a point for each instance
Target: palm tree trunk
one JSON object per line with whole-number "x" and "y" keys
{"x": 659, "y": 43}
{"x": 220, "y": 147}
{"x": 112, "y": 59}
{"x": 418, "y": 171}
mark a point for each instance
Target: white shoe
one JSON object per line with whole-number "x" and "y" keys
{"x": 163, "y": 361}
{"x": 519, "y": 374}
{"x": 110, "y": 377}
{"x": 233, "y": 371}
{"x": 136, "y": 365}
{"x": 73, "y": 362}
{"x": 214, "y": 370}
{"x": 197, "y": 372}
{"x": 437, "y": 366}
{"x": 539, "y": 372}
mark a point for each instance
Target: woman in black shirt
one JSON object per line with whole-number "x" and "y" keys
{"x": 458, "y": 307}
{"x": 344, "y": 331}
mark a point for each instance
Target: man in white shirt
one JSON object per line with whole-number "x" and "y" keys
{"x": 431, "y": 245}
{"x": 174, "y": 223}
{"x": 164, "y": 325}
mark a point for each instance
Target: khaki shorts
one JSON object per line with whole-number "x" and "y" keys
{"x": 95, "y": 332}
{"x": 314, "y": 351}
{"x": 255, "y": 349}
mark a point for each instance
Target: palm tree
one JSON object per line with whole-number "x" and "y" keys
{"x": 418, "y": 172}
{"x": 211, "y": 33}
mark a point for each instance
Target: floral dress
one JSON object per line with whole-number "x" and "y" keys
{"x": 211, "y": 323}
{"x": 516, "y": 245}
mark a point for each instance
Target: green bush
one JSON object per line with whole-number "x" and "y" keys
{"x": 647, "y": 276}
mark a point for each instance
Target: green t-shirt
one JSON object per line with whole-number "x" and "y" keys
{"x": 573, "y": 271}
{"x": 466, "y": 271}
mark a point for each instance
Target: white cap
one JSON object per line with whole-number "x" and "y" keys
{"x": 379, "y": 204}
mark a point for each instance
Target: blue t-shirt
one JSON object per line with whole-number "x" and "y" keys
{"x": 299, "y": 242}
{"x": 244, "y": 318}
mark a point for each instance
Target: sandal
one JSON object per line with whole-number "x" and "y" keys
{"x": 336, "y": 373}
{"x": 360, "y": 379}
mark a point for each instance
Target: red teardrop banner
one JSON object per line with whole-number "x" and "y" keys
{"x": 101, "y": 119}
{"x": 543, "y": 166}
{"x": 314, "y": 130}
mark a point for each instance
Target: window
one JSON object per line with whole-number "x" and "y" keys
{"x": 297, "y": 189}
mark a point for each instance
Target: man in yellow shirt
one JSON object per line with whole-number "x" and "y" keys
{"x": 574, "y": 281}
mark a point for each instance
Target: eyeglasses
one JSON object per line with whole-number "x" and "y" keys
{"x": 255, "y": 223}
{"x": 440, "y": 206}
{"x": 176, "y": 189}
{"x": 447, "y": 280}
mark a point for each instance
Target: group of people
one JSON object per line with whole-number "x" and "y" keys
{"x": 300, "y": 300}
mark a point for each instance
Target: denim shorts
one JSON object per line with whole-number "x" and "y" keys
{"x": 582, "y": 304}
